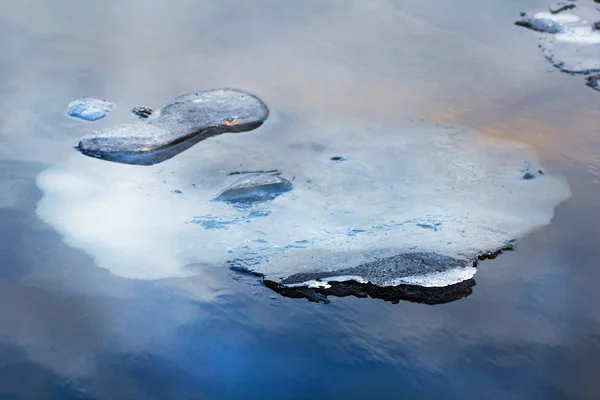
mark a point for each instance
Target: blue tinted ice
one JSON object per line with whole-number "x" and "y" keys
{"x": 412, "y": 204}
{"x": 89, "y": 109}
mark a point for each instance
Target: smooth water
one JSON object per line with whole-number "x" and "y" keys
{"x": 343, "y": 79}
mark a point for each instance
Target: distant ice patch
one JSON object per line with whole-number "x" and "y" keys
{"x": 570, "y": 39}
{"x": 89, "y": 109}
{"x": 412, "y": 204}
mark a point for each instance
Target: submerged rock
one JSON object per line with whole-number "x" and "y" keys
{"x": 529, "y": 172}
{"x": 560, "y": 7}
{"x": 255, "y": 188}
{"x": 176, "y": 127}
{"x": 89, "y": 108}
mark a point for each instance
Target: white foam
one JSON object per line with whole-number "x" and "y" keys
{"x": 401, "y": 189}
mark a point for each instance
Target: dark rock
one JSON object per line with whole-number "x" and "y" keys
{"x": 271, "y": 171}
{"x": 400, "y": 266}
{"x": 529, "y": 172}
{"x": 337, "y": 158}
{"x": 592, "y": 81}
{"x": 560, "y": 7}
{"x": 393, "y": 294}
{"x": 176, "y": 127}
{"x": 142, "y": 112}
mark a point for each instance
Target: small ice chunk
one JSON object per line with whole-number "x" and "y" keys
{"x": 255, "y": 188}
{"x": 142, "y": 112}
{"x": 540, "y": 25}
{"x": 89, "y": 108}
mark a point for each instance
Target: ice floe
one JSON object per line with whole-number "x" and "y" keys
{"x": 411, "y": 205}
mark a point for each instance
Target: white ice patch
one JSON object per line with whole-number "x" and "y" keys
{"x": 314, "y": 284}
{"x": 561, "y": 18}
{"x": 580, "y": 35}
{"x": 438, "y": 279}
{"x": 399, "y": 189}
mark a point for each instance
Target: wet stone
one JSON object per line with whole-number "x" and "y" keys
{"x": 560, "y": 7}
{"x": 255, "y": 188}
{"x": 89, "y": 109}
{"x": 176, "y": 127}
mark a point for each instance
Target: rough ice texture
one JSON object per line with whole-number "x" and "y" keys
{"x": 569, "y": 41}
{"x": 176, "y": 127}
{"x": 411, "y": 205}
{"x": 88, "y": 108}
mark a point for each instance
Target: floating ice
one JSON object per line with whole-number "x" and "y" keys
{"x": 176, "y": 127}
{"x": 415, "y": 206}
{"x": 89, "y": 109}
{"x": 592, "y": 81}
{"x": 570, "y": 41}
{"x": 540, "y": 25}
{"x": 255, "y": 188}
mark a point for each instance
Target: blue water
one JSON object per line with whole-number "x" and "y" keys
{"x": 530, "y": 329}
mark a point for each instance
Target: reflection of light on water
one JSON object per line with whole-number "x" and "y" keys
{"x": 410, "y": 188}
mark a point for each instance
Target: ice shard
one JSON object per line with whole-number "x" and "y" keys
{"x": 89, "y": 109}
{"x": 412, "y": 205}
{"x": 179, "y": 125}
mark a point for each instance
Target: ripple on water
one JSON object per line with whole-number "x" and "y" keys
{"x": 410, "y": 205}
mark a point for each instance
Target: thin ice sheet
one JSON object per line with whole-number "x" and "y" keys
{"x": 411, "y": 204}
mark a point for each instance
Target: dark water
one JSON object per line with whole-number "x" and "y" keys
{"x": 68, "y": 329}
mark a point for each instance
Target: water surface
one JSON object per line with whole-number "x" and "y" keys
{"x": 71, "y": 329}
